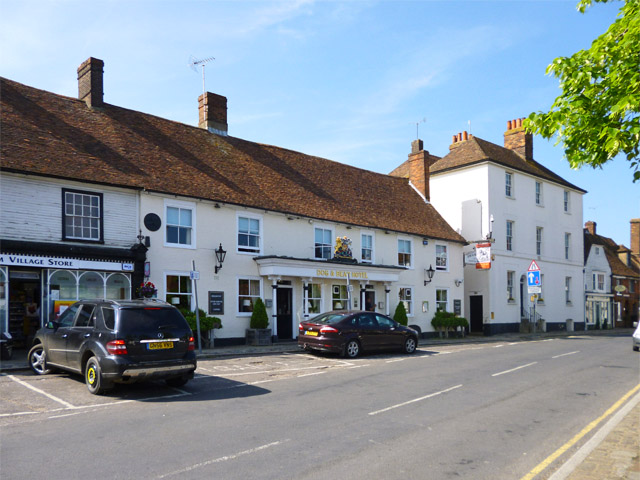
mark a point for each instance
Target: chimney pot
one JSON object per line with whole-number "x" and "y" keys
{"x": 508, "y": 124}
{"x": 518, "y": 140}
{"x": 90, "y": 83}
{"x": 212, "y": 112}
{"x": 466, "y": 135}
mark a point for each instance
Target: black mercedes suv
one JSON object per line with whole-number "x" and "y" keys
{"x": 117, "y": 341}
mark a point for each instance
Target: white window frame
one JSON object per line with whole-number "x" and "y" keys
{"x": 596, "y": 281}
{"x": 80, "y": 217}
{"x": 312, "y": 299}
{"x": 508, "y": 184}
{"x": 250, "y": 279}
{"x": 539, "y": 235}
{"x": 168, "y": 294}
{"x": 405, "y": 295}
{"x": 567, "y": 290}
{"x": 184, "y": 206}
{"x": 362, "y": 248}
{"x": 410, "y": 253}
{"x": 324, "y": 245}
{"x": 567, "y": 246}
{"x": 539, "y": 193}
{"x": 439, "y": 257}
{"x": 566, "y": 199}
{"x": 247, "y": 250}
{"x": 439, "y": 302}
{"x": 343, "y": 296}
{"x": 510, "y": 227}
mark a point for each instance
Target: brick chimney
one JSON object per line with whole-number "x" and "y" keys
{"x": 212, "y": 112}
{"x": 419, "y": 162}
{"x": 458, "y": 139}
{"x": 635, "y": 237}
{"x": 518, "y": 140}
{"x": 590, "y": 227}
{"x": 90, "y": 82}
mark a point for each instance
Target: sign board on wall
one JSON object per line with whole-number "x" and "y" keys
{"x": 483, "y": 256}
{"x": 216, "y": 303}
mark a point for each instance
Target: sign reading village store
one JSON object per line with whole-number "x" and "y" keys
{"x": 64, "y": 263}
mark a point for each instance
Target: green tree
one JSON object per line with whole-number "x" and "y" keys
{"x": 400, "y": 315}
{"x": 259, "y": 318}
{"x": 597, "y": 116}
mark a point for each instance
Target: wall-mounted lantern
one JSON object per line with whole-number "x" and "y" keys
{"x": 220, "y": 254}
{"x": 429, "y": 274}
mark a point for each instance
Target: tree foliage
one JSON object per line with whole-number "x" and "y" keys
{"x": 400, "y": 315}
{"x": 597, "y": 116}
{"x": 259, "y": 318}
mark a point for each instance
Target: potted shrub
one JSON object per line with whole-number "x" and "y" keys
{"x": 448, "y": 321}
{"x": 400, "y": 314}
{"x": 206, "y": 324}
{"x": 258, "y": 332}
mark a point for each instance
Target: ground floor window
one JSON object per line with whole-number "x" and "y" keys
{"x": 442, "y": 300}
{"x": 339, "y": 297}
{"x": 404, "y": 295}
{"x": 315, "y": 298}
{"x": 179, "y": 291}
{"x": 597, "y": 313}
{"x": 248, "y": 293}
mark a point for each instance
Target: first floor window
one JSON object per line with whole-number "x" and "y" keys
{"x": 510, "y": 278}
{"x": 567, "y": 290}
{"x": 404, "y": 253}
{"x": 538, "y": 193}
{"x": 82, "y": 215}
{"x": 567, "y": 245}
{"x": 339, "y": 297}
{"x": 509, "y": 235}
{"x": 442, "y": 300}
{"x": 598, "y": 281}
{"x": 508, "y": 184}
{"x": 248, "y": 235}
{"x": 538, "y": 240}
{"x": 179, "y": 225}
{"x": 367, "y": 248}
{"x": 323, "y": 244}
{"x": 566, "y": 201}
{"x": 248, "y": 293}
{"x": 178, "y": 291}
{"x": 315, "y": 298}
{"x": 404, "y": 295}
{"x": 442, "y": 259}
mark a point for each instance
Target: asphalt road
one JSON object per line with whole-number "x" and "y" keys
{"x": 484, "y": 411}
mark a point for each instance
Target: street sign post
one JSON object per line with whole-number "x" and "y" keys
{"x": 533, "y": 279}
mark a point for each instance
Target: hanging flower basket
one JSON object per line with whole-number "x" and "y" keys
{"x": 147, "y": 290}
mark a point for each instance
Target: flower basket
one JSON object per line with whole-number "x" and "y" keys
{"x": 147, "y": 290}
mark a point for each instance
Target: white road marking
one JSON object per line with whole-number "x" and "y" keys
{"x": 396, "y": 360}
{"x": 17, "y": 414}
{"x": 414, "y": 400}
{"x": 565, "y": 354}
{"x": 67, "y": 414}
{"x": 514, "y": 369}
{"x": 42, "y": 392}
{"x": 224, "y": 459}
{"x": 309, "y": 374}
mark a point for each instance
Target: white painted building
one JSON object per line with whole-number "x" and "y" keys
{"x": 486, "y": 191}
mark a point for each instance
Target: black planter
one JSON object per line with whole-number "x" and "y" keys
{"x": 258, "y": 336}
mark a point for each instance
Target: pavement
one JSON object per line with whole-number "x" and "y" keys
{"x": 613, "y": 453}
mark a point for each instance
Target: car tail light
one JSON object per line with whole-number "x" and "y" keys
{"x": 325, "y": 330}
{"x": 300, "y": 327}
{"x": 192, "y": 343}
{"x": 117, "y": 347}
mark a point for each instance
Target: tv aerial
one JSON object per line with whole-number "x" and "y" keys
{"x": 194, "y": 62}
{"x": 417, "y": 124}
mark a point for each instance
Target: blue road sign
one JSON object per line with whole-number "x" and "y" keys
{"x": 533, "y": 279}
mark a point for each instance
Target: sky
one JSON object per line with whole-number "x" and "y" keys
{"x": 352, "y": 81}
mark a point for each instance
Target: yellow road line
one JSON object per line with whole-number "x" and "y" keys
{"x": 551, "y": 458}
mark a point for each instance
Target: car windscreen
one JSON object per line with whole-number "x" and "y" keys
{"x": 328, "y": 318}
{"x": 150, "y": 319}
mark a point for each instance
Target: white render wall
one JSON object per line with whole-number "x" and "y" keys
{"x": 36, "y": 217}
{"x": 290, "y": 236}
{"x": 486, "y": 183}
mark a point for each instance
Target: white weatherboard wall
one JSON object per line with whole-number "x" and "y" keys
{"x": 485, "y": 184}
{"x": 38, "y": 217}
{"x": 290, "y": 236}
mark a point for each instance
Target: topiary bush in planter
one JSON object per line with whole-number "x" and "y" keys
{"x": 400, "y": 314}
{"x": 206, "y": 323}
{"x": 444, "y": 322}
{"x": 258, "y": 332}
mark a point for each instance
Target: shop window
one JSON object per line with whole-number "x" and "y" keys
{"x": 118, "y": 287}
{"x": 404, "y": 253}
{"x": 404, "y": 295}
{"x": 248, "y": 234}
{"x": 178, "y": 291}
{"x": 3, "y": 299}
{"x": 339, "y": 297}
{"x": 315, "y": 298}
{"x": 442, "y": 258}
{"x": 442, "y": 300}
{"x": 180, "y": 221}
{"x": 323, "y": 243}
{"x": 81, "y": 215}
{"x": 248, "y": 293}
{"x": 91, "y": 285}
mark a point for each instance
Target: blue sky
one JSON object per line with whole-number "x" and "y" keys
{"x": 347, "y": 81}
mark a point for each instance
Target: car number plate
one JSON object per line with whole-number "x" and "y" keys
{"x": 309, "y": 332}
{"x": 160, "y": 345}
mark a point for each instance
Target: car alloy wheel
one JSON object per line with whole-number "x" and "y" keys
{"x": 410, "y": 345}
{"x": 38, "y": 360}
{"x": 352, "y": 349}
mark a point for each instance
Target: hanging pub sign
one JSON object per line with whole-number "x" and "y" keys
{"x": 483, "y": 256}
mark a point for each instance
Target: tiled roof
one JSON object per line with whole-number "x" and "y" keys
{"x": 610, "y": 248}
{"x": 42, "y": 133}
{"x": 476, "y": 150}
